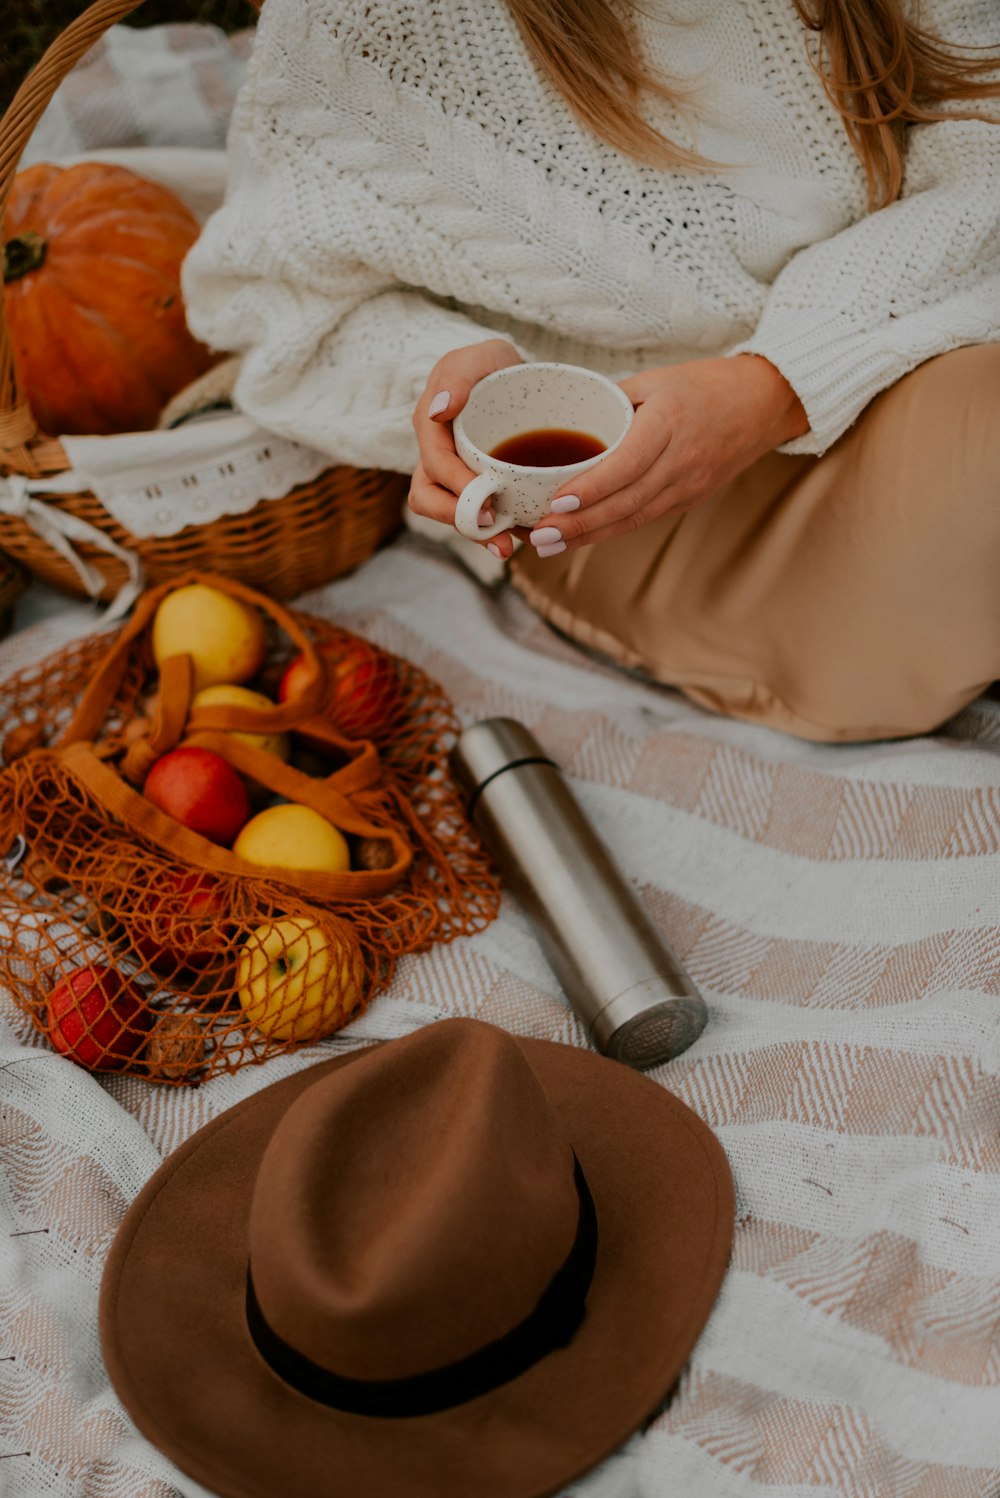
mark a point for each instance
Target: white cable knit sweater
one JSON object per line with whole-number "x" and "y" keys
{"x": 403, "y": 182}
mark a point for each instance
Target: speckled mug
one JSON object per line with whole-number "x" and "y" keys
{"x": 523, "y": 398}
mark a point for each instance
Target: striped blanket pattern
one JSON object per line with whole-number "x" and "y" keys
{"x": 838, "y": 908}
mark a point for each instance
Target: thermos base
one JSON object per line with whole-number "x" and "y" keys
{"x": 657, "y": 1034}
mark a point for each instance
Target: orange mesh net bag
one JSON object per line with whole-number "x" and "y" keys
{"x": 199, "y": 876}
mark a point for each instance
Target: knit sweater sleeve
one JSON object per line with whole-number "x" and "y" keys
{"x": 336, "y": 347}
{"x": 849, "y": 315}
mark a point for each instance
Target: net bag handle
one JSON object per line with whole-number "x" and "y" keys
{"x": 104, "y": 685}
{"x": 330, "y": 797}
{"x": 140, "y": 816}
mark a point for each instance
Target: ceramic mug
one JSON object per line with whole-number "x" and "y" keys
{"x": 518, "y": 399}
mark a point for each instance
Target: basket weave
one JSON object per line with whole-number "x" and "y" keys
{"x": 284, "y": 546}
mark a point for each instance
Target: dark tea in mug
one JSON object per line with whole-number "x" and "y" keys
{"x": 548, "y": 447}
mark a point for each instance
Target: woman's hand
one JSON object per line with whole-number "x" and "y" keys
{"x": 440, "y": 476}
{"x": 697, "y": 425}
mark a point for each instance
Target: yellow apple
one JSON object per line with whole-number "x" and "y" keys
{"x": 225, "y": 694}
{"x": 224, "y": 637}
{"x": 298, "y": 979}
{"x": 290, "y": 836}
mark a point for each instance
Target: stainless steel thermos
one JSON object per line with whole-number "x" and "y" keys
{"x": 628, "y": 988}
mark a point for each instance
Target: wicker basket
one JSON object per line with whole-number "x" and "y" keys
{"x": 283, "y": 546}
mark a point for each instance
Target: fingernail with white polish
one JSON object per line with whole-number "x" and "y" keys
{"x": 491, "y": 546}
{"x": 552, "y": 551}
{"x": 439, "y": 403}
{"x": 486, "y": 516}
{"x": 546, "y": 535}
{"x": 565, "y": 503}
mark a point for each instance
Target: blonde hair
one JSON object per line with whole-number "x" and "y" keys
{"x": 880, "y": 70}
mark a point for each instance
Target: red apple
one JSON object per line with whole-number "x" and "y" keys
{"x": 177, "y": 921}
{"x": 97, "y": 1018}
{"x": 363, "y": 695}
{"x": 201, "y": 789}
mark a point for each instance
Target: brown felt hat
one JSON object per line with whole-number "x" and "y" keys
{"x": 459, "y": 1262}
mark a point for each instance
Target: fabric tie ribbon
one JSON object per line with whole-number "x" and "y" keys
{"x": 58, "y": 529}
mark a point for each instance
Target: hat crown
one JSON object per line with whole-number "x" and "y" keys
{"x": 413, "y": 1207}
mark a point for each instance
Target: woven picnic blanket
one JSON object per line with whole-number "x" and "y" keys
{"x": 839, "y": 909}
{"x": 170, "y": 85}
{"x": 837, "y": 906}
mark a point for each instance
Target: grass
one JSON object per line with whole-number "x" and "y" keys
{"x": 30, "y": 25}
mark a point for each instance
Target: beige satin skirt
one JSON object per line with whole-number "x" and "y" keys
{"x": 852, "y": 596}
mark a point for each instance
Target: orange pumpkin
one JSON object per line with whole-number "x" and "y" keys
{"x": 91, "y": 267}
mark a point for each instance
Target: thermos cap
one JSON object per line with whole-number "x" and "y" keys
{"x": 490, "y": 746}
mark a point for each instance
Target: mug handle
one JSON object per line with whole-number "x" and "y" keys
{"x": 470, "y": 502}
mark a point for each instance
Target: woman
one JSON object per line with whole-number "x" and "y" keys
{"x": 767, "y": 218}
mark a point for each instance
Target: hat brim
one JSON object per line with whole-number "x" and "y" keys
{"x": 176, "y": 1344}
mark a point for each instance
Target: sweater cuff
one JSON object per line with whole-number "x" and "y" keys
{"x": 833, "y": 369}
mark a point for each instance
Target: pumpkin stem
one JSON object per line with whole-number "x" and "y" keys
{"x": 23, "y": 254}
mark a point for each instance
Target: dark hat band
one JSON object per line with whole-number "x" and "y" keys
{"x": 552, "y": 1324}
